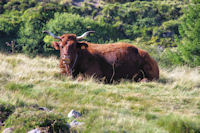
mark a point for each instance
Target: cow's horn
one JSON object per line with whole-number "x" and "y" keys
{"x": 84, "y": 35}
{"x": 51, "y": 34}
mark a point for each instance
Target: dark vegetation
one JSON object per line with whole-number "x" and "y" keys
{"x": 18, "y": 116}
{"x": 150, "y": 22}
{"x": 46, "y": 121}
{"x": 5, "y": 111}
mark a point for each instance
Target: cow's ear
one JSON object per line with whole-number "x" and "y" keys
{"x": 55, "y": 45}
{"x": 82, "y": 45}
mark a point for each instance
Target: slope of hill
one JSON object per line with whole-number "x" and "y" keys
{"x": 171, "y": 104}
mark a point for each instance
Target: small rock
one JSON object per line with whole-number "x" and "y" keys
{"x": 74, "y": 114}
{"x": 68, "y": 125}
{"x": 43, "y": 108}
{"x": 35, "y": 131}
{"x": 75, "y": 123}
{"x": 1, "y": 123}
{"x": 8, "y": 130}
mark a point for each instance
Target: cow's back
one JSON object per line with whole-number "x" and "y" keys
{"x": 115, "y": 51}
{"x": 124, "y": 58}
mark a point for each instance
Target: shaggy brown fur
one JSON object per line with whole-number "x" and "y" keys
{"x": 109, "y": 61}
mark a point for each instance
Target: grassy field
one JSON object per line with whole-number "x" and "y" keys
{"x": 171, "y": 104}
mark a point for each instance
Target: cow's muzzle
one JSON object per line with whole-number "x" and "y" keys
{"x": 66, "y": 59}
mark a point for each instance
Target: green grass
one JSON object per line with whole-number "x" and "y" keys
{"x": 169, "y": 105}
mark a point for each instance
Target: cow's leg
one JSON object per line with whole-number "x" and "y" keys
{"x": 139, "y": 76}
{"x": 94, "y": 71}
{"x": 62, "y": 67}
{"x": 144, "y": 80}
{"x": 80, "y": 78}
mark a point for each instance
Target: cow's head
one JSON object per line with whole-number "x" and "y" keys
{"x": 69, "y": 46}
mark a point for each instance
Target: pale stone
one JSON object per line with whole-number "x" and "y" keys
{"x": 74, "y": 114}
{"x": 35, "y": 131}
{"x": 8, "y": 130}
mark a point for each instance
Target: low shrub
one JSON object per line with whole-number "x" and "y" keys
{"x": 5, "y": 111}
{"x": 25, "y": 119}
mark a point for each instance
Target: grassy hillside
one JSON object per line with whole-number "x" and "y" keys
{"x": 171, "y": 104}
{"x": 33, "y": 93}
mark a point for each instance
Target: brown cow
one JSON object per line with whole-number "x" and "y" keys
{"x": 109, "y": 61}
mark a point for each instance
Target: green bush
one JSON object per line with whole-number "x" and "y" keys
{"x": 30, "y": 36}
{"x": 188, "y": 50}
{"x": 69, "y": 23}
{"x": 9, "y": 26}
{"x": 25, "y": 26}
{"x": 139, "y": 18}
